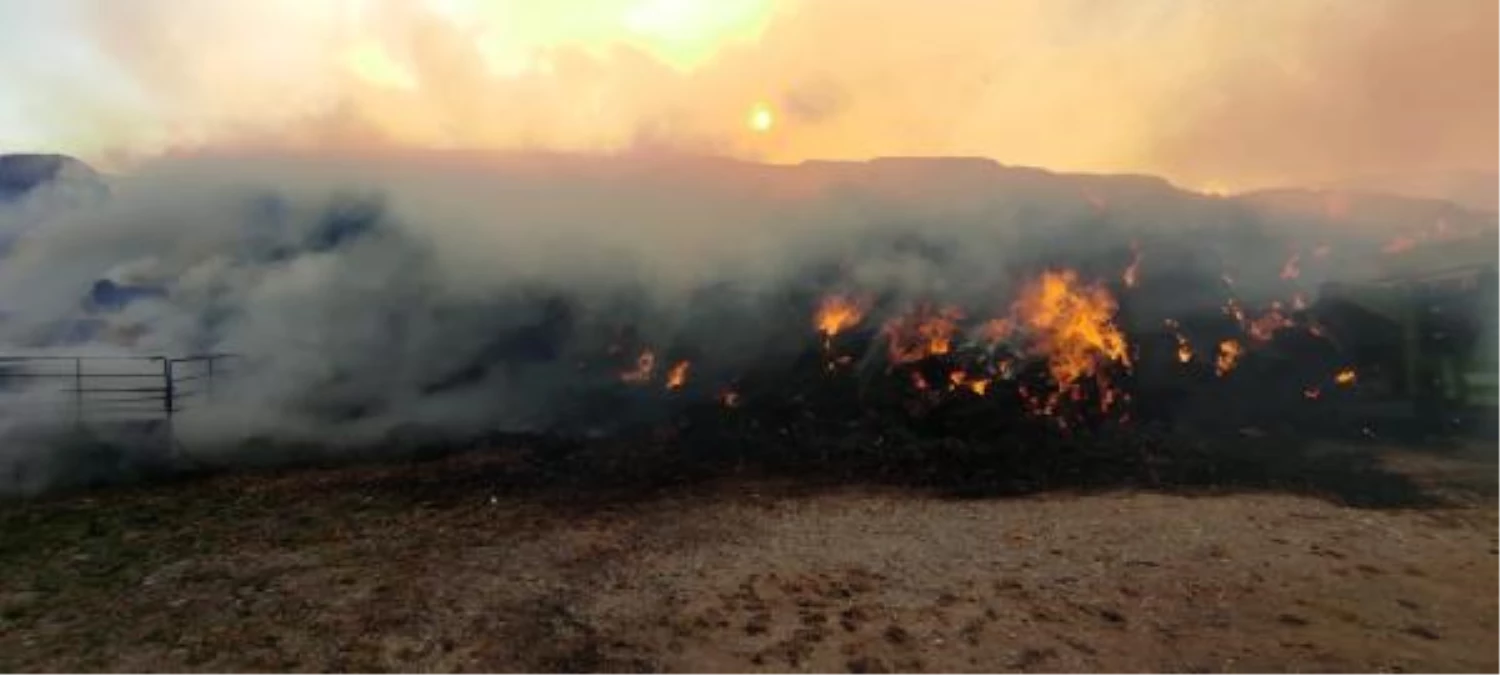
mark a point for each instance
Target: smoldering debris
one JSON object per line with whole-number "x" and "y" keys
{"x": 450, "y": 297}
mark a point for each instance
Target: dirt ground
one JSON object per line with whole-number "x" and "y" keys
{"x": 419, "y": 567}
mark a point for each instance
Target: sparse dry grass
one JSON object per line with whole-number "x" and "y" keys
{"x": 442, "y": 565}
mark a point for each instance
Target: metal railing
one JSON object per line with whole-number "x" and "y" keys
{"x": 107, "y": 387}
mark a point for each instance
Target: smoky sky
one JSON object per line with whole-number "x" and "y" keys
{"x": 1208, "y": 94}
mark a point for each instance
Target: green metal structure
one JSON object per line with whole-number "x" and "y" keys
{"x": 1424, "y": 323}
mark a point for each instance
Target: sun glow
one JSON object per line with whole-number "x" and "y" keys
{"x": 761, "y": 118}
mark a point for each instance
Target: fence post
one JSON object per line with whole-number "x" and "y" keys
{"x": 78, "y": 391}
{"x": 166, "y": 373}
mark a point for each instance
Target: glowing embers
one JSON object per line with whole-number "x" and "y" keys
{"x": 644, "y": 370}
{"x": 922, "y": 333}
{"x": 1228, "y": 358}
{"x": 677, "y": 375}
{"x": 1184, "y": 348}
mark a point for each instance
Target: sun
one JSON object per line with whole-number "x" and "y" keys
{"x": 761, "y": 118}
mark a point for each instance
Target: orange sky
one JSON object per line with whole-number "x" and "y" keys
{"x": 1211, "y": 94}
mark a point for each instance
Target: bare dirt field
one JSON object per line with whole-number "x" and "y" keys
{"x": 439, "y": 565}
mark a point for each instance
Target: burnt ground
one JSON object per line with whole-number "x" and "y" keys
{"x": 1346, "y": 555}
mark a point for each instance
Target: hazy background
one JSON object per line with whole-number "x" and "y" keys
{"x": 1397, "y": 94}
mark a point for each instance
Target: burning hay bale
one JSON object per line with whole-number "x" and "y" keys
{"x": 1014, "y": 317}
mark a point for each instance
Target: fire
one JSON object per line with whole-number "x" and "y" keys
{"x": 959, "y": 378}
{"x": 645, "y": 367}
{"x": 1299, "y": 302}
{"x": 1291, "y": 269}
{"x": 1264, "y": 327}
{"x": 1312, "y": 393}
{"x": 922, "y": 333}
{"x": 729, "y": 398}
{"x": 1072, "y": 324}
{"x": 1345, "y": 378}
{"x": 836, "y": 314}
{"x": 1229, "y": 356}
{"x": 677, "y": 375}
{"x": 1132, "y": 271}
{"x": 1184, "y": 348}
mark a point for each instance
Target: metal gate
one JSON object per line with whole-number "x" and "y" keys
{"x": 107, "y": 388}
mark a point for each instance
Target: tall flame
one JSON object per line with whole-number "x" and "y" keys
{"x": 1072, "y": 324}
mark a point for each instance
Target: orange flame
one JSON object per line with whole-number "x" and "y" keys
{"x": 838, "y": 313}
{"x": 1072, "y": 324}
{"x": 1345, "y": 378}
{"x": 645, "y": 366}
{"x": 922, "y": 333}
{"x": 677, "y": 375}
{"x": 1229, "y": 356}
{"x": 959, "y": 378}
